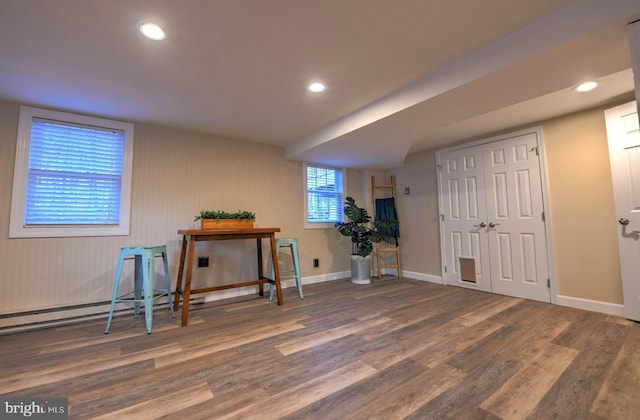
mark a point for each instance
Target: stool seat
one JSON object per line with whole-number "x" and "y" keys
{"x": 294, "y": 273}
{"x": 144, "y": 277}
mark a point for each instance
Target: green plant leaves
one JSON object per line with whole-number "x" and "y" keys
{"x": 219, "y": 214}
{"x": 362, "y": 236}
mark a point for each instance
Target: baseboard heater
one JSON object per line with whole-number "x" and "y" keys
{"x": 55, "y": 317}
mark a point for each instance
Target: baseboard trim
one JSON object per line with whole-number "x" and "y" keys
{"x": 64, "y": 316}
{"x": 250, "y": 290}
{"x": 340, "y": 275}
{"x": 424, "y": 277}
{"x": 591, "y": 305}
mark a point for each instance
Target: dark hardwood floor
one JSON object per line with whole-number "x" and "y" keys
{"x": 390, "y": 350}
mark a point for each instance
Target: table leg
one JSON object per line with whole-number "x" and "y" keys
{"x": 276, "y": 269}
{"x": 179, "y": 289}
{"x": 186, "y": 294}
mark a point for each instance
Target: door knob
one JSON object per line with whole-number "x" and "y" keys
{"x": 623, "y": 221}
{"x": 481, "y": 225}
{"x": 492, "y": 225}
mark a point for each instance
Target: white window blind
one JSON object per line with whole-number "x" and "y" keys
{"x": 324, "y": 195}
{"x": 75, "y": 174}
{"x": 72, "y": 175}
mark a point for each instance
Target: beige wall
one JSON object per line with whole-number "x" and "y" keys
{"x": 418, "y": 214}
{"x": 178, "y": 173}
{"x": 175, "y": 175}
{"x": 582, "y": 218}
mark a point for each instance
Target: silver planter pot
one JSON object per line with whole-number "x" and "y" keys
{"x": 360, "y": 269}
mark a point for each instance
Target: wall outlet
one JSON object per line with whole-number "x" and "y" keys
{"x": 316, "y": 262}
{"x": 203, "y": 262}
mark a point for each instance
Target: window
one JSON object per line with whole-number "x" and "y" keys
{"x": 72, "y": 175}
{"x": 324, "y": 195}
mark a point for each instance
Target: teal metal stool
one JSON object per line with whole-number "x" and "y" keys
{"x": 144, "y": 291}
{"x": 295, "y": 260}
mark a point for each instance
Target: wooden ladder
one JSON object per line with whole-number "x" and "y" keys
{"x": 383, "y": 247}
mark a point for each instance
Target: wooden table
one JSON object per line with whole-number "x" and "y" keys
{"x": 189, "y": 239}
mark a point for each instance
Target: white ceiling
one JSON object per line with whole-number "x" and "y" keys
{"x": 402, "y": 75}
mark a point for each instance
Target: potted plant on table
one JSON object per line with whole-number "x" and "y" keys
{"x": 363, "y": 235}
{"x": 218, "y": 219}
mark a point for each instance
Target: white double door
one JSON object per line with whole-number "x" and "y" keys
{"x": 492, "y": 218}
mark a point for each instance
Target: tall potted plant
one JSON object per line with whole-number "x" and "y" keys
{"x": 363, "y": 235}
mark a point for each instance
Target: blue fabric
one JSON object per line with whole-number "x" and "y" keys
{"x": 386, "y": 210}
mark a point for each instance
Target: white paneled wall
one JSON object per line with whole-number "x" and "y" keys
{"x": 175, "y": 175}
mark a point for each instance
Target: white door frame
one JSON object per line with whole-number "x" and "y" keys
{"x": 545, "y": 199}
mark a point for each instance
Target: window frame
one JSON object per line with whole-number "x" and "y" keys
{"x": 17, "y": 229}
{"x": 321, "y": 225}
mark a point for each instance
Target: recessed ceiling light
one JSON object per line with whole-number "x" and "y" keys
{"x": 586, "y": 86}
{"x": 316, "y": 87}
{"x": 152, "y": 31}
